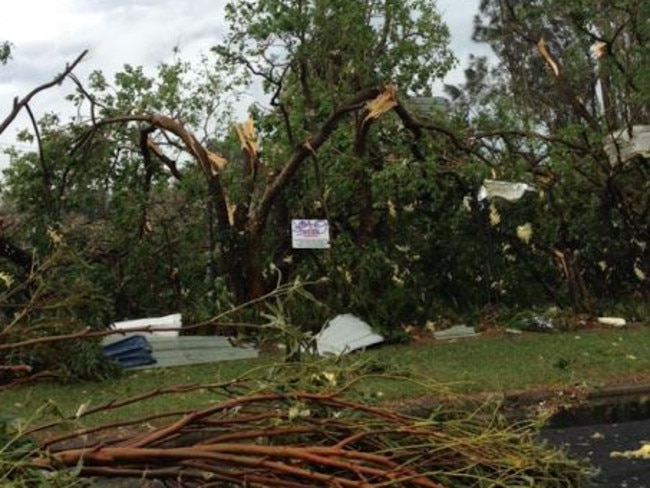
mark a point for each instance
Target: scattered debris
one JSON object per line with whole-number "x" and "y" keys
{"x": 507, "y": 190}
{"x": 455, "y": 332}
{"x": 525, "y": 233}
{"x": 624, "y": 145}
{"x": 290, "y": 438}
{"x": 131, "y": 351}
{"x": 164, "y": 348}
{"x": 642, "y": 452}
{"x": 167, "y": 326}
{"x": 161, "y": 352}
{"x": 539, "y": 323}
{"x": 344, "y": 334}
{"x": 186, "y": 350}
{"x": 513, "y": 331}
{"x": 613, "y": 321}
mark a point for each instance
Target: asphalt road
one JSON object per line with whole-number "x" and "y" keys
{"x": 596, "y": 442}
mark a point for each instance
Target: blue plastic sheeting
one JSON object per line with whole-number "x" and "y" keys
{"x": 131, "y": 352}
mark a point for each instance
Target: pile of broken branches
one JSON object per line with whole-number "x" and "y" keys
{"x": 307, "y": 439}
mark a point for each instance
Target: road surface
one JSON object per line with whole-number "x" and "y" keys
{"x": 596, "y": 442}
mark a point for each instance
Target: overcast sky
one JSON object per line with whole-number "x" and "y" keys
{"x": 48, "y": 33}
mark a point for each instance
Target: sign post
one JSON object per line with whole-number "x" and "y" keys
{"x": 310, "y": 234}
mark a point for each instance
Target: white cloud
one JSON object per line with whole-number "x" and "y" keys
{"x": 461, "y": 24}
{"x": 48, "y": 33}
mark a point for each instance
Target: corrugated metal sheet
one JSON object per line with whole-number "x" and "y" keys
{"x": 456, "y": 332}
{"x": 169, "y": 349}
{"x": 344, "y": 334}
{"x": 185, "y": 350}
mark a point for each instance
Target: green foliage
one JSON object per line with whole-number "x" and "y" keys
{"x": 554, "y": 112}
{"x": 18, "y": 452}
{"x": 410, "y": 241}
{"x": 5, "y": 52}
{"x": 55, "y": 300}
{"x": 143, "y": 235}
{"x": 312, "y": 57}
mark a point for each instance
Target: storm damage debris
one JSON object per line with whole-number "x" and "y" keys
{"x": 166, "y": 326}
{"x": 506, "y": 190}
{"x": 155, "y": 342}
{"x": 344, "y": 334}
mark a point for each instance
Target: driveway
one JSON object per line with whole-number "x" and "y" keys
{"x": 596, "y": 442}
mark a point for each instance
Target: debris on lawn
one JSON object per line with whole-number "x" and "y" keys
{"x": 304, "y": 439}
{"x": 161, "y": 352}
{"x": 344, "y": 334}
{"x": 642, "y": 452}
{"x": 613, "y": 321}
{"x": 163, "y": 347}
{"x": 539, "y": 323}
{"x": 166, "y": 326}
{"x": 513, "y": 331}
{"x": 187, "y": 350}
{"x": 455, "y": 332}
{"x": 131, "y": 351}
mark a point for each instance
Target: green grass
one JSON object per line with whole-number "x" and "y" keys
{"x": 506, "y": 363}
{"x": 486, "y": 364}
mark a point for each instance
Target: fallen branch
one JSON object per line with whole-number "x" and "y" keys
{"x": 303, "y": 439}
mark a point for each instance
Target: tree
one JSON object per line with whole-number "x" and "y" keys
{"x": 9, "y": 250}
{"x": 5, "y": 52}
{"x": 132, "y": 217}
{"x": 316, "y": 79}
{"x": 311, "y": 57}
{"x": 569, "y": 85}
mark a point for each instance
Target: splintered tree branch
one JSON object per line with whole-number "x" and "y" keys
{"x": 386, "y": 101}
{"x": 543, "y": 50}
{"x": 19, "y": 104}
{"x": 563, "y": 85}
{"x": 210, "y": 163}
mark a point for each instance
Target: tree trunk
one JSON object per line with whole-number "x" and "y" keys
{"x": 252, "y": 265}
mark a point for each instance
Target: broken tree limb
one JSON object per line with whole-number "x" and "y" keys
{"x": 308, "y": 439}
{"x": 563, "y": 85}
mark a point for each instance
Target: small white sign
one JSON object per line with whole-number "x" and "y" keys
{"x": 310, "y": 234}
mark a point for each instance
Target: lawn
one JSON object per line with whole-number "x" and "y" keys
{"x": 490, "y": 363}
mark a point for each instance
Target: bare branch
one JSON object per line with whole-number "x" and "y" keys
{"x": 57, "y": 80}
{"x": 47, "y": 176}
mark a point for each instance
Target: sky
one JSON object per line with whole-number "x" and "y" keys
{"x": 48, "y": 33}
